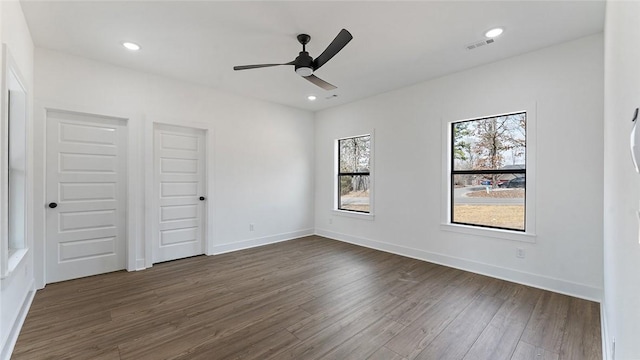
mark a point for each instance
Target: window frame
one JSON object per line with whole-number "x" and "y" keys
{"x": 453, "y": 172}
{"x": 529, "y": 234}
{"x": 13, "y": 250}
{"x": 363, "y": 215}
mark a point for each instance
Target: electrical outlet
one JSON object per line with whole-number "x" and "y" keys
{"x": 251, "y": 228}
{"x": 330, "y": 221}
{"x": 520, "y": 254}
{"x": 613, "y": 349}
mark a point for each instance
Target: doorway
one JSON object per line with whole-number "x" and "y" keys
{"x": 179, "y": 192}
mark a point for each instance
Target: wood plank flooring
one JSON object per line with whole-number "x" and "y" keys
{"x": 310, "y": 298}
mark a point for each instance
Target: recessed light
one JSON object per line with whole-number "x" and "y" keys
{"x": 494, "y": 32}
{"x": 131, "y": 46}
{"x": 311, "y": 97}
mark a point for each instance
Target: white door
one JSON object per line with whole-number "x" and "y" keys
{"x": 179, "y": 187}
{"x": 86, "y": 195}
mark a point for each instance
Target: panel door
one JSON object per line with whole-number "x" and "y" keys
{"x": 86, "y": 195}
{"x": 179, "y": 165}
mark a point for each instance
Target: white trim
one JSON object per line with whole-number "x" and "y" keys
{"x": 604, "y": 334}
{"x": 209, "y": 242}
{"x": 12, "y": 337}
{"x": 488, "y": 232}
{"x": 140, "y": 264}
{"x": 355, "y": 136}
{"x": 16, "y": 258}
{"x": 9, "y": 66}
{"x": 149, "y": 192}
{"x": 4, "y": 166}
{"x": 256, "y": 242}
{"x": 354, "y": 214}
{"x": 135, "y": 194}
{"x": 543, "y": 282}
{"x": 531, "y": 198}
{"x": 39, "y": 194}
{"x": 149, "y": 127}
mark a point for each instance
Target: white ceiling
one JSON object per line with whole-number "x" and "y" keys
{"x": 395, "y": 43}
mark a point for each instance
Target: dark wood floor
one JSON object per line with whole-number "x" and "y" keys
{"x": 310, "y": 298}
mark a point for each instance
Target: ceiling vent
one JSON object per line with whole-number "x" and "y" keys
{"x": 481, "y": 43}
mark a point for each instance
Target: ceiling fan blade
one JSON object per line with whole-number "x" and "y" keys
{"x": 336, "y": 45}
{"x": 246, "y": 67}
{"x": 317, "y": 81}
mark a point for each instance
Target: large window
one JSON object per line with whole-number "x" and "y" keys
{"x": 488, "y": 172}
{"x": 354, "y": 162}
{"x": 12, "y": 166}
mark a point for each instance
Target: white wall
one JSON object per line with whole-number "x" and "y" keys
{"x": 564, "y": 84}
{"x": 262, "y": 152}
{"x": 17, "y": 289}
{"x": 621, "y": 182}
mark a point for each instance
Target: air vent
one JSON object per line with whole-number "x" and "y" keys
{"x": 481, "y": 43}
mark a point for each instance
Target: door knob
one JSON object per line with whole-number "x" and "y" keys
{"x": 202, "y": 198}
{"x": 53, "y": 205}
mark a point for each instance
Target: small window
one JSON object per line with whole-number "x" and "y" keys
{"x": 488, "y": 172}
{"x": 354, "y": 160}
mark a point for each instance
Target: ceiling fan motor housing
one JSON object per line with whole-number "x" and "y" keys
{"x": 304, "y": 64}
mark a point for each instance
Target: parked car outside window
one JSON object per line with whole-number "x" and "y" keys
{"x": 518, "y": 182}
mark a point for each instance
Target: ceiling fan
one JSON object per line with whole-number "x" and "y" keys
{"x": 305, "y": 65}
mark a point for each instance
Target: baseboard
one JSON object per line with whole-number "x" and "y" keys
{"x": 547, "y": 283}
{"x": 266, "y": 240}
{"x": 8, "y": 346}
{"x": 140, "y": 264}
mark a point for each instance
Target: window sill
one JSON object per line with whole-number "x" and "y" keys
{"x": 15, "y": 257}
{"x": 494, "y": 233}
{"x": 355, "y": 215}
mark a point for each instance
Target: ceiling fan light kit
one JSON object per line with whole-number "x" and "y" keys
{"x": 305, "y": 65}
{"x": 304, "y": 71}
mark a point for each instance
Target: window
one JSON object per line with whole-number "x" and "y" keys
{"x": 17, "y": 165}
{"x": 353, "y": 180}
{"x": 488, "y": 172}
{"x": 13, "y": 168}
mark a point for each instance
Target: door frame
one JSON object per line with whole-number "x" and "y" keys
{"x": 134, "y": 187}
{"x": 151, "y": 203}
